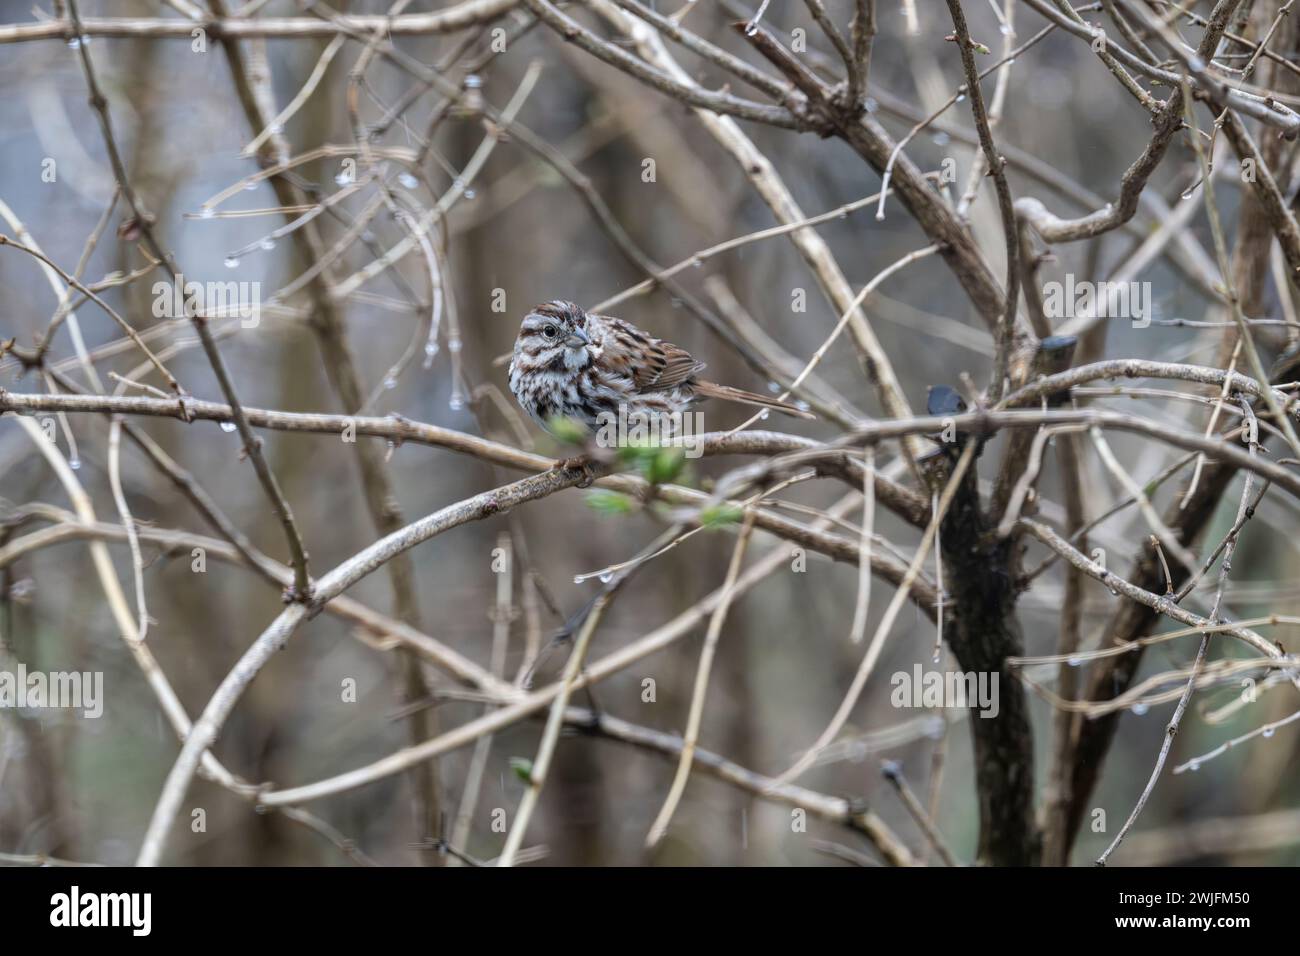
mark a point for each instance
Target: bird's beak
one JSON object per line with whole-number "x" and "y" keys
{"x": 577, "y": 339}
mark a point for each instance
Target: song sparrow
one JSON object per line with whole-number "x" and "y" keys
{"x": 573, "y": 364}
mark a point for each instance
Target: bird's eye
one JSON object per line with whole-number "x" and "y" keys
{"x": 549, "y": 331}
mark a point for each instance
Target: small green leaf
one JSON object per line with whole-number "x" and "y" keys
{"x": 665, "y": 465}
{"x": 636, "y": 454}
{"x": 566, "y": 430}
{"x": 523, "y": 768}
{"x": 609, "y": 502}
{"x": 715, "y": 516}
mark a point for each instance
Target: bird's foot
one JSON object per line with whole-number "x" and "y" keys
{"x": 584, "y": 463}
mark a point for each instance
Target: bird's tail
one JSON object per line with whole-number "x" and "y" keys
{"x": 729, "y": 394}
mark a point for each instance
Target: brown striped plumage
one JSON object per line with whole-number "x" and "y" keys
{"x": 578, "y": 365}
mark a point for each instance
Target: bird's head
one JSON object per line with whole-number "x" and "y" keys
{"x": 554, "y": 329}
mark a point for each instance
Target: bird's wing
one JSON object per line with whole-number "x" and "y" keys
{"x": 665, "y": 366}
{"x": 654, "y": 365}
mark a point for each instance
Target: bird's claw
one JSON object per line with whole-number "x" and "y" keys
{"x": 581, "y": 462}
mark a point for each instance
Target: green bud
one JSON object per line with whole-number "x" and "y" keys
{"x": 715, "y": 516}
{"x": 637, "y": 454}
{"x": 607, "y": 502}
{"x": 665, "y": 465}
{"x": 566, "y": 430}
